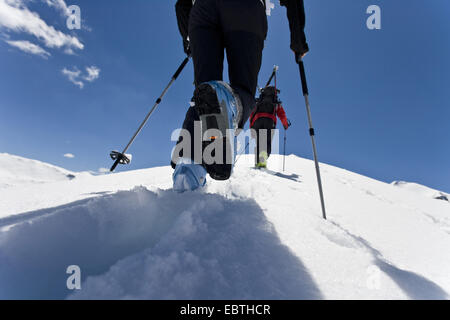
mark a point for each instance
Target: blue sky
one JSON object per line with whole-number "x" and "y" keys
{"x": 379, "y": 98}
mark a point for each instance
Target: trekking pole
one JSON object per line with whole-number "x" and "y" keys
{"x": 311, "y": 133}
{"x": 284, "y": 152}
{"x": 241, "y": 153}
{"x": 121, "y": 157}
{"x": 274, "y": 73}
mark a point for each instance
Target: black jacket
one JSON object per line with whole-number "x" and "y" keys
{"x": 183, "y": 9}
{"x": 295, "y": 14}
{"x": 296, "y": 17}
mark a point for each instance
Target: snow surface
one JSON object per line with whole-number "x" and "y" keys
{"x": 18, "y": 171}
{"x": 423, "y": 190}
{"x": 259, "y": 235}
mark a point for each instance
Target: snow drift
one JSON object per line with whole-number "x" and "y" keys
{"x": 17, "y": 171}
{"x": 257, "y": 236}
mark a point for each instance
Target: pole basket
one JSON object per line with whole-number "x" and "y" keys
{"x": 119, "y": 158}
{"x": 123, "y": 158}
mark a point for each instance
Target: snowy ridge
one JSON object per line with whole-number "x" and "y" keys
{"x": 19, "y": 171}
{"x": 423, "y": 190}
{"x": 257, "y": 236}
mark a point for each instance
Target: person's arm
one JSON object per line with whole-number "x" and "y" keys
{"x": 296, "y": 17}
{"x": 282, "y": 116}
{"x": 183, "y": 10}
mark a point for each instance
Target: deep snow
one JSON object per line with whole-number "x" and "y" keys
{"x": 257, "y": 236}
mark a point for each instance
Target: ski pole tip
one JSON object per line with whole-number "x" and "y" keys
{"x": 114, "y": 165}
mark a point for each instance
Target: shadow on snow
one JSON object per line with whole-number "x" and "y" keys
{"x": 151, "y": 245}
{"x": 414, "y": 285}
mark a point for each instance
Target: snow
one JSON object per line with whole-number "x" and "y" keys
{"x": 259, "y": 235}
{"x": 423, "y": 190}
{"x": 19, "y": 171}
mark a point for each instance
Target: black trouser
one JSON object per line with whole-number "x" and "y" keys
{"x": 238, "y": 27}
{"x": 264, "y": 132}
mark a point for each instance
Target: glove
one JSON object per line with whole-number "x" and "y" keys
{"x": 300, "y": 54}
{"x": 187, "y": 47}
{"x": 183, "y": 10}
{"x": 288, "y": 124}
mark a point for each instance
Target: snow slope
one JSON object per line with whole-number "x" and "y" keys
{"x": 423, "y": 190}
{"x": 257, "y": 236}
{"x": 19, "y": 171}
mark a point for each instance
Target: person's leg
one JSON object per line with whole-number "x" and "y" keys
{"x": 269, "y": 141}
{"x": 244, "y": 24}
{"x": 206, "y": 41}
{"x": 207, "y": 50}
{"x": 263, "y": 128}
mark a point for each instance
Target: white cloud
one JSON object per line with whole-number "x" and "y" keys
{"x": 16, "y": 17}
{"x": 60, "y": 5}
{"x": 92, "y": 73}
{"x": 29, "y": 47}
{"x": 69, "y": 155}
{"x": 64, "y": 10}
{"x": 73, "y": 76}
{"x": 76, "y": 76}
{"x": 69, "y": 51}
{"x": 103, "y": 170}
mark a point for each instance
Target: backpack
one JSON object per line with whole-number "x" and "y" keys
{"x": 266, "y": 105}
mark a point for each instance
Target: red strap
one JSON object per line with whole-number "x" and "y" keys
{"x": 263, "y": 115}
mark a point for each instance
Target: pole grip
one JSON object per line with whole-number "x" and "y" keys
{"x": 183, "y": 64}
{"x": 303, "y": 77}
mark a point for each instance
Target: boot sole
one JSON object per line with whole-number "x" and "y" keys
{"x": 212, "y": 116}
